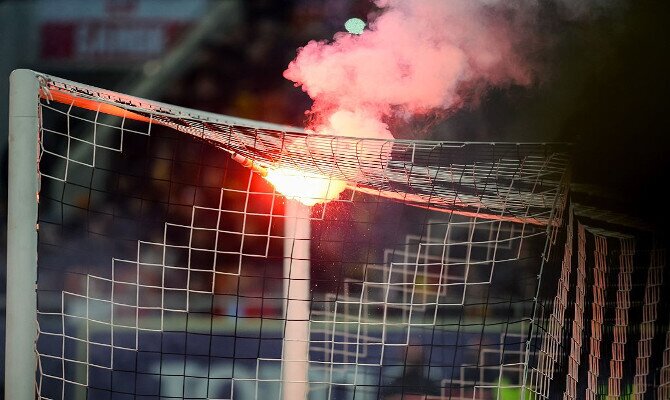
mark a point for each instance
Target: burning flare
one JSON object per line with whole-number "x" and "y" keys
{"x": 306, "y": 187}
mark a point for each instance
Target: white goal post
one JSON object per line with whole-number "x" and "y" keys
{"x": 20, "y": 357}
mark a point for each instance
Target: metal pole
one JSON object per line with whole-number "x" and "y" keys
{"x": 295, "y": 353}
{"x": 20, "y": 356}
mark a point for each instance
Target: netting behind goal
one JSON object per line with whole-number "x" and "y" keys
{"x": 450, "y": 270}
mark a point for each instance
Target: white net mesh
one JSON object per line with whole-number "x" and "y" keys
{"x": 165, "y": 268}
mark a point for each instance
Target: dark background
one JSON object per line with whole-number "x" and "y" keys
{"x": 602, "y": 85}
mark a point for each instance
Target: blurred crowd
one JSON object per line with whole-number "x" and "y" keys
{"x": 241, "y": 74}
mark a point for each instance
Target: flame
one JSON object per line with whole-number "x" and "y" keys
{"x": 306, "y": 187}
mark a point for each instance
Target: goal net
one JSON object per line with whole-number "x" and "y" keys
{"x": 149, "y": 257}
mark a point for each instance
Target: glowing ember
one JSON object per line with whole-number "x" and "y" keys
{"x": 308, "y": 188}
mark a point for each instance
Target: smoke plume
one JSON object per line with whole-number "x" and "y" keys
{"x": 416, "y": 57}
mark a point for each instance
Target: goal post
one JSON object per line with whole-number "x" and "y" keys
{"x": 149, "y": 256}
{"x": 174, "y": 243}
{"x": 21, "y": 306}
{"x": 295, "y": 357}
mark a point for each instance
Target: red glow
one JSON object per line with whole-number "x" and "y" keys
{"x": 93, "y": 105}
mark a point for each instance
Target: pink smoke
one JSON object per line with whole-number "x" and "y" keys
{"x": 415, "y": 57}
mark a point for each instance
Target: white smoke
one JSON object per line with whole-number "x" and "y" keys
{"x": 418, "y": 57}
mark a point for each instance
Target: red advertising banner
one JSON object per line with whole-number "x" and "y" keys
{"x": 115, "y": 31}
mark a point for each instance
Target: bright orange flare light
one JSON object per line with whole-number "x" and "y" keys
{"x": 306, "y": 187}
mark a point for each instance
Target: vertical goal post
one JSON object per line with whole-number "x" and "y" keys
{"x": 20, "y": 356}
{"x": 295, "y": 357}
